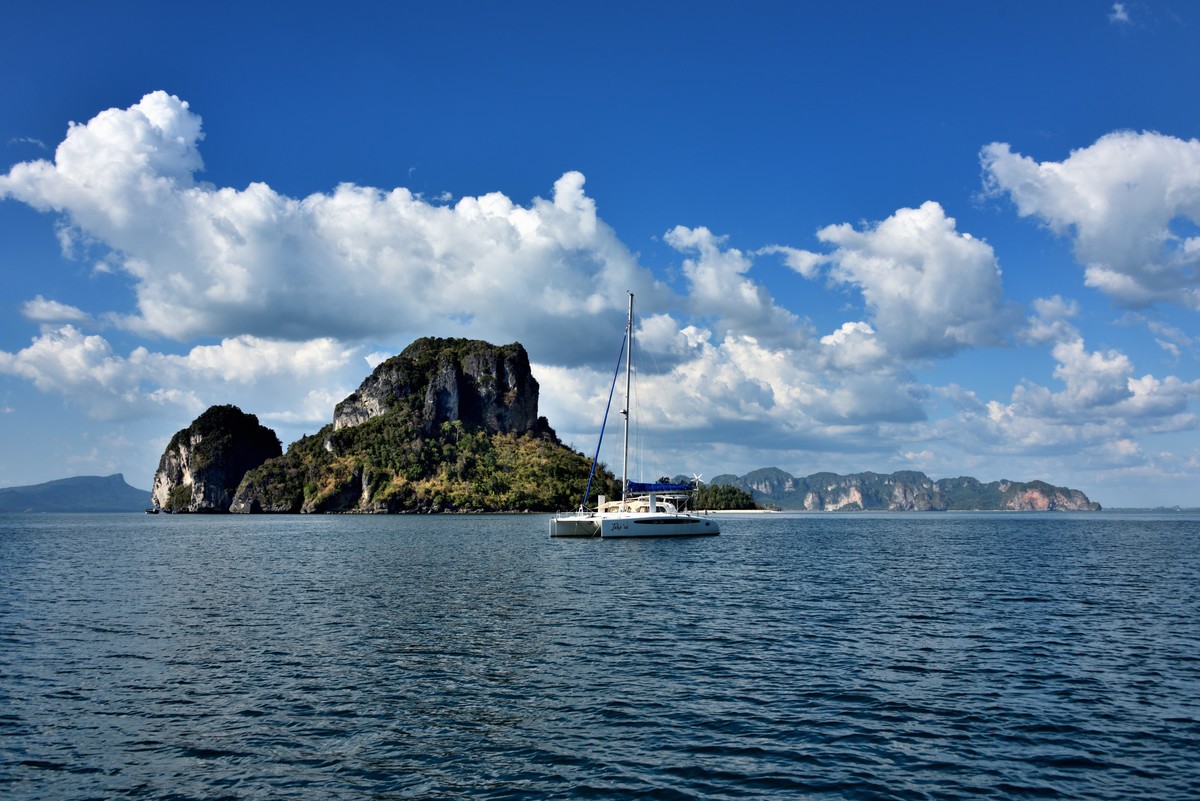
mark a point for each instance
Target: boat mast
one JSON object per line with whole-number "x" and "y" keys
{"x": 625, "y": 411}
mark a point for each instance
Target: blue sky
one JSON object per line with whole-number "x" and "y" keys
{"x": 953, "y": 237}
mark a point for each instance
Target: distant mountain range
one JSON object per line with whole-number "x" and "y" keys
{"x": 78, "y": 494}
{"x": 904, "y": 491}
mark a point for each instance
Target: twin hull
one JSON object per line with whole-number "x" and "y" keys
{"x": 633, "y": 525}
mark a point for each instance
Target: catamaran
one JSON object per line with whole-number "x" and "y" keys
{"x": 656, "y": 509}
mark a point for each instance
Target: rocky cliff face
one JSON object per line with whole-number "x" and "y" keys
{"x": 767, "y": 481}
{"x": 898, "y": 492}
{"x": 1037, "y": 496}
{"x": 449, "y": 424}
{"x": 904, "y": 491}
{"x": 202, "y": 466}
{"x": 479, "y": 384}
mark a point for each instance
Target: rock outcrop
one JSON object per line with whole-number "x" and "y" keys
{"x": 447, "y": 425}
{"x": 481, "y": 385}
{"x": 904, "y": 491}
{"x": 203, "y": 464}
{"x": 1038, "y": 496}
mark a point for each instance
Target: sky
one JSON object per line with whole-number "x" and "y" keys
{"x": 960, "y": 238}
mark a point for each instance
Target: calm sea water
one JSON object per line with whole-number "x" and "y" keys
{"x": 819, "y": 656}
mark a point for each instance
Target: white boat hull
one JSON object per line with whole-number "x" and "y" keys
{"x": 653, "y": 509}
{"x": 633, "y": 524}
{"x": 574, "y": 526}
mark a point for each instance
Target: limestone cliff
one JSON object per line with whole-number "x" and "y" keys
{"x": 203, "y": 464}
{"x": 1038, "y": 496}
{"x": 903, "y": 491}
{"x": 447, "y": 425}
{"x": 479, "y": 384}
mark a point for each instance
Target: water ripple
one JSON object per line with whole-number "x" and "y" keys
{"x": 868, "y": 656}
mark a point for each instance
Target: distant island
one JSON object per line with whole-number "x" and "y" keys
{"x": 78, "y": 494}
{"x": 903, "y": 491}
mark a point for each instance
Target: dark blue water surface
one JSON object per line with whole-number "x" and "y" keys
{"x": 795, "y": 656}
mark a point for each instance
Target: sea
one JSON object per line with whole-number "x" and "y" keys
{"x": 796, "y": 656}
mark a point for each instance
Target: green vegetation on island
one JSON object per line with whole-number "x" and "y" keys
{"x": 388, "y": 464}
{"x": 718, "y": 497}
{"x": 203, "y": 464}
{"x": 448, "y": 425}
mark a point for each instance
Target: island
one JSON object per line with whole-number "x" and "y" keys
{"x": 903, "y": 491}
{"x": 448, "y": 425}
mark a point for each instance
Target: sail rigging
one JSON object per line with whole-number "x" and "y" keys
{"x": 652, "y": 509}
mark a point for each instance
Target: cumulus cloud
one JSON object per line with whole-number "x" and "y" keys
{"x": 118, "y": 164}
{"x": 1049, "y": 322}
{"x": 1099, "y": 384}
{"x": 731, "y": 385}
{"x": 853, "y": 347}
{"x": 1101, "y": 400}
{"x": 41, "y": 310}
{"x": 301, "y": 294}
{"x": 1130, "y": 203}
{"x": 69, "y": 363}
{"x": 1093, "y": 379}
{"x": 931, "y": 290}
{"x": 1119, "y": 14}
{"x": 806, "y": 263}
{"x": 1097, "y": 412}
{"x": 740, "y": 392}
{"x": 720, "y": 288}
{"x": 355, "y": 263}
{"x": 86, "y": 370}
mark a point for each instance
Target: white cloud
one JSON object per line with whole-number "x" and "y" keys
{"x": 1119, "y": 14}
{"x": 870, "y": 399}
{"x": 1101, "y": 401}
{"x": 739, "y": 392}
{"x": 28, "y": 140}
{"x": 85, "y": 370}
{"x": 1129, "y": 202}
{"x": 806, "y": 263}
{"x": 931, "y": 290}
{"x": 720, "y": 288}
{"x": 41, "y": 310}
{"x": 284, "y": 283}
{"x": 853, "y": 347}
{"x": 352, "y": 264}
{"x": 118, "y": 164}
{"x": 1092, "y": 378}
{"x": 66, "y": 362}
{"x": 247, "y": 359}
{"x": 1171, "y": 338}
{"x": 1049, "y": 322}
{"x": 376, "y": 358}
